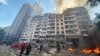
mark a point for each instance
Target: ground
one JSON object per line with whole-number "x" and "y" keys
{"x": 6, "y": 51}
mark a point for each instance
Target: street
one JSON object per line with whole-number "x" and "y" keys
{"x": 5, "y": 51}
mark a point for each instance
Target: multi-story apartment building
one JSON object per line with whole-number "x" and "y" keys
{"x": 37, "y": 9}
{"x": 60, "y": 28}
{"x": 18, "y": 24}
{"x": 36, "y": 32}
{"x": 76, "y": 23}
{"x": 30, "y": 25}
{"x": 51, "y": 27}
{"x": 67, "y": 27}
{"x": 83, "y": 18}
{"x": 72, "y": 31}
{"x": 43, "y": 29}
{"x": 28, "y": 29}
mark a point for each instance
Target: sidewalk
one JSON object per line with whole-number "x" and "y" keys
{"x": 4, "y": 50}
{"x": 52, "y": 52}
{"x": 35, "y": 52}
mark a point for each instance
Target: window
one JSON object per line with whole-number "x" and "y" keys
{"x": 51, "y": 24}
{"x": 57, "y": 23}
{"x": 51, "y": 41}
{"x": 69, "y": 18}
{"x": 84, "y": 27}
{"x": 57, "y": 31}
{"x": 51, "y": 28}
{"x": 37, "y": 28}
{"x": 50, "y": 32}
{"x": 62, "y": 31}
{"x": 36, "y": 32}
{"x": 66, "y": 27}
{"x": 43, "y": 32}
{"x": 51, "y": 20}
{"x": 61, "y": 23}
{"x": 66, "y": 22}
{"x": 70, "y": 22}
{"x": 74, "y": 25}
{"x": 69, "y": 31}
{"x": 23, "y": 39}
{"x": 57, "y": 20}
{"x": 71, "y": 26}
{"x": 38, "y": 25}
{"x": 51, "y": 17}
{"x": 79, "y": 14}
{"x": 61, "y": 20}
{"x": 43, "y": 28}
{"x": 73, "y": 17}
{"x": 36, "y": 36}
{"x": 57, "y": 27}
{"x": 65, "y": 18}
{"x": 61, "y": 27}
{"x": 84, "y": 32}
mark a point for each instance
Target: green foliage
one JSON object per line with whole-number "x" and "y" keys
{"x": 93, "y": 3}
{"x": 1, "y": 34}
{"x": 98, "y": 28}
{"x": 97, "y": 22}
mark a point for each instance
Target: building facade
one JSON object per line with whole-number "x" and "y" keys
{"x": 18, "y": 24}
{"x": 37, "y": 9}
{"x": 67, "y": 28}
{"x": 77, "y": 23}
{"x": 31, "y": 22}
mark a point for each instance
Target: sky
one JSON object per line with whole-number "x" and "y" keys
{"x": 10, "y": 8}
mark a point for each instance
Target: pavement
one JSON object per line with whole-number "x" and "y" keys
{"x": 35, "y": 52}
{"x": 6, "y": 51}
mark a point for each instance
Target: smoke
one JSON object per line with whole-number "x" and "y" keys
{"x": 60, "y": 5}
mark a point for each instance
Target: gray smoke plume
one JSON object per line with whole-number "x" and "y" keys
{"x": 61, "y": 5}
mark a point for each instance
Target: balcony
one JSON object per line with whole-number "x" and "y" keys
{"x": 35, "y": 38}
{"x": 37, "y": 28}
{"x": 38, "y": 25}
{"x": 51, "y": 28}
{"x": 51, "y": 24}
{"x": 70, "y": 22}
{"x": 50, "y": 39}
{"x": 51, "y": 17}
{"x": 37, "y": 32}
{"x": 51, "y": 20}
{"x": 50, "y": 32}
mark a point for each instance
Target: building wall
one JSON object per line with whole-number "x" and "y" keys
{"x": 68, "y": 26}
{"x": 30, "y": 25}
{"x": 23, "y": 14}
{"x": 37, "y": 9}
{"x": 18, "y": 24}
{"x": 82, "y": 16}
{"x": 81, "y": 24}
{"x": 26, "y": 35}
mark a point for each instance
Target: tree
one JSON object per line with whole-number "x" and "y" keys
{"x": 93, "y": 3}
{"x": 1, "y": 34}
{"x": 97, "y": 22}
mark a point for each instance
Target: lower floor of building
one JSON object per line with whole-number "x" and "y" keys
{"x": 66, "y": 40}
